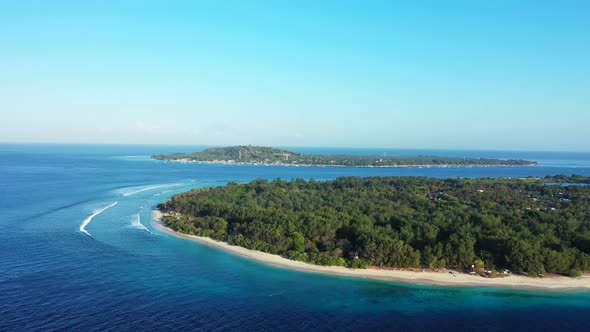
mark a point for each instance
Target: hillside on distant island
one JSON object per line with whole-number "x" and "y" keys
{"x": 529, "y": 225}
{"x": 267, "y": 155}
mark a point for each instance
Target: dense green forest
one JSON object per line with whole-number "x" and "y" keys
{"x": 530, "y": 225}
{"x": 268, "y": 155}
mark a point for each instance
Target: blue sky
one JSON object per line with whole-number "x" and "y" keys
{"x": 414, "y": 74}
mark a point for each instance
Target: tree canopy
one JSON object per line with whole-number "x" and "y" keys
{"x": 527, "y": 225}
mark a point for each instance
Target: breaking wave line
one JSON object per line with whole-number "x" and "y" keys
{"x": 136, "y": 222}
{"x": 150, "y": 188}
{"x": 89, "y": 219}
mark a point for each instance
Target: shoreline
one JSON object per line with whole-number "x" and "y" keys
{"x": 448, "y": 278}
{"x": 223, "y": 162}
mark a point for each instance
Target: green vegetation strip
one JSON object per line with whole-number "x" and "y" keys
{"x": 533, "y": 226}
{"x": 266, "y": 155}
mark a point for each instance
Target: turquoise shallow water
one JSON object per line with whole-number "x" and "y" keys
{"x": 128, "y": 276}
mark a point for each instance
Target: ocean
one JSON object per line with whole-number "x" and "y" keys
{"x": 78, "y": 253}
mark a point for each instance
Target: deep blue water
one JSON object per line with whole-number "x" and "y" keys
{"x": 128, "y": 276}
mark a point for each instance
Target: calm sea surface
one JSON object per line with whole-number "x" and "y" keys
{"x": 124, "y": 275}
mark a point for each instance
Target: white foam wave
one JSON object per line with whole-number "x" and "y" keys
{"x": 150, "y": 188}
{"x": 136, "y": 223}
{"x": 89, "y": 219}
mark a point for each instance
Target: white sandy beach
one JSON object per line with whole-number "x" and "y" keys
{"x": 447, "y": 278}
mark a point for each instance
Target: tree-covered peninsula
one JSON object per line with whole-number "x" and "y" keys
{"x": 533, "y": 226}
{"x": 266, "y": 155}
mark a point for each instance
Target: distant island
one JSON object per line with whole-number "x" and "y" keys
{"x": 487, "y": 227}
{"x": 248, "y": 154}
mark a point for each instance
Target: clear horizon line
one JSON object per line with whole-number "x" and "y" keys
{"x": 289, "y": 146}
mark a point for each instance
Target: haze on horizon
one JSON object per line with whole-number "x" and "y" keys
{"x": 512, "y": 75}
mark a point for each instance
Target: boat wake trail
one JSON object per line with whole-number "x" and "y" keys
{"x": 151, "y": 188}
{"x": 89, "y": 219}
